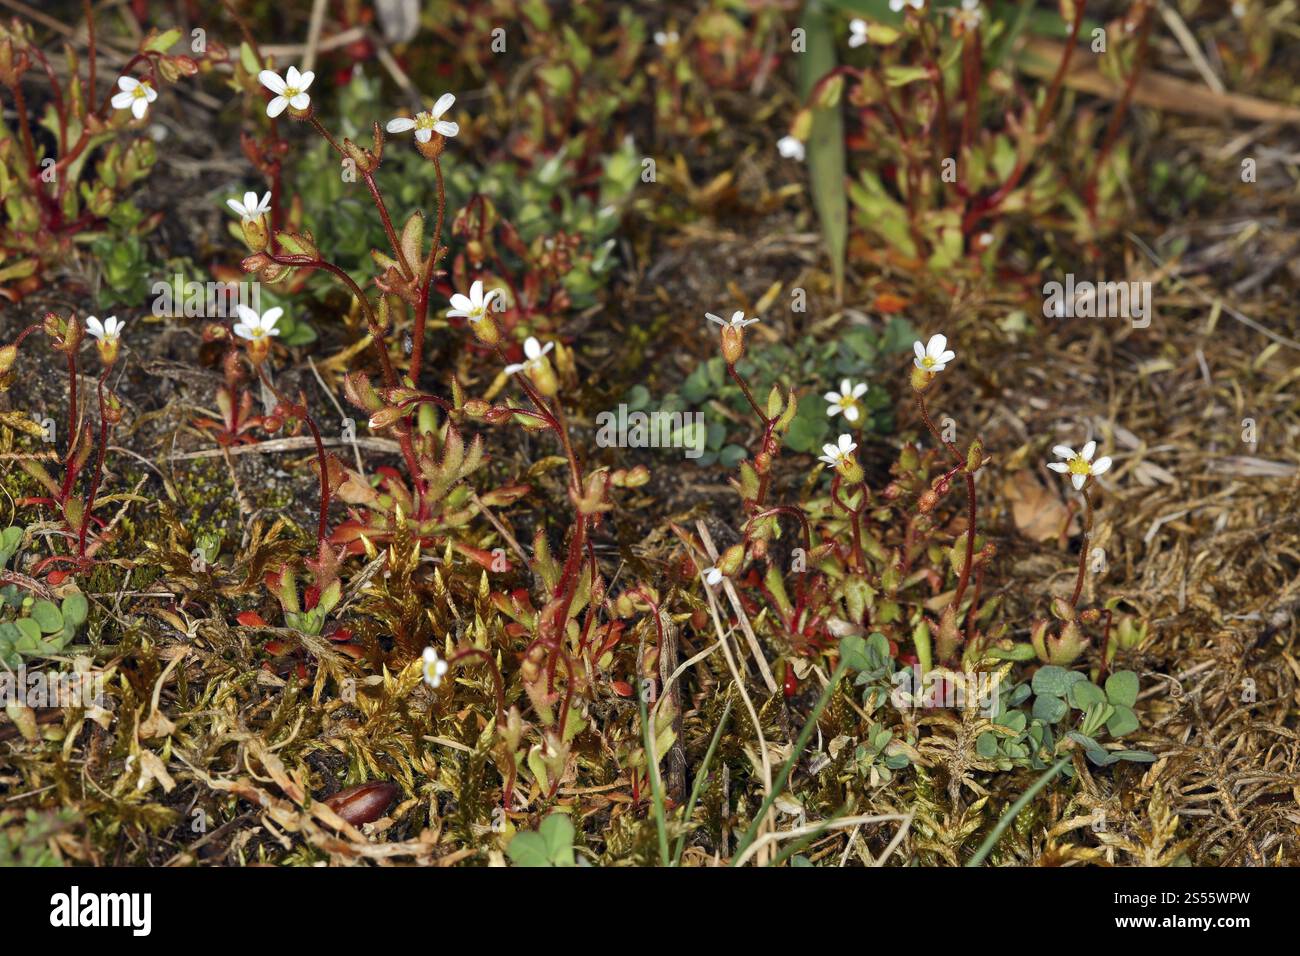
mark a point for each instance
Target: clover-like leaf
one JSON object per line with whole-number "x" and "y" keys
{"x": 1122, "y": 688}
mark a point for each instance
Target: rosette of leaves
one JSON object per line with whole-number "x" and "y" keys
{"x": 877, "y": 757}
{"x": 812, "y": 368}
{"x": 1059, "y": 691}
{"x": 41, "y": 627}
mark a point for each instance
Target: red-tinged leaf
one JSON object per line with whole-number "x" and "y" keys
{"x": 56, "y": 578}
{"x": 622, "y": 688}
{"x": 516, "y": 630}
{"x": 250, "y": 619}
{"x": 352, "y": 650}
{"x": 889, "y": 303}
{"x": 311, "y": 596}
{"x": 275, "y": 648}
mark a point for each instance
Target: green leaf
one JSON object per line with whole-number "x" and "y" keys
{"x": 550, "y": 845}
{"x": 1052, "y": 680}
{"x": 1049, "y": 709}
{"x": 853, "y": 652}
{"x": 1135, "y": 756}
{"x": 75, "y": 609}
{"x": 1083, "y": 694}
{"x": 162, "y": 42}
{"x": 1122, "y": 688}
{"x": 47, "y": 616}
{"x": 986, "y": 745}
{"x": 825, "y": 146}
{"x": 1122, "y": 721}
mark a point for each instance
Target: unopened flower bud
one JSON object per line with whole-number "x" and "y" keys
{"x": 732, "y": 559}
{"x": 850, "y": 471}
{"x": 733, "y": 343}
{"x": 543, "y": 377}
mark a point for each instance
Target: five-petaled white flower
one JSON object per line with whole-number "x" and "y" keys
{"x": 934, "y": 356}
{"x": 533, "y": 353}
{"x": 857, "y": 32}
{"x": 251, "y": 208}
{"x": 791, "y": 148}
{"x": 107, "y": 331}
{"x": 1079, "y": 467}
{"x": 434, "y": 667}
{"x": 712, "y": 577}
{"x": 426, "y": 123}
{"x": 136, "y": 95}
{"x": 846, "y": 400}
{"x": 898, "y": 5}
{"x": 290, "y": 91}
{"x": 834, "y": 455}
{"x": 473, "y": 306}
{"x": 256, "y": 327}
{"x": 738, "y": 320}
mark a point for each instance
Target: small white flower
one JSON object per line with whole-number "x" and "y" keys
{"x": 290, "y": 91}
{"x": 533, "y": 353}
{"x": 791, "y": 148}
{"x": 251, "y": 208}
{"x": 473, "y": 306}
{"x": 427, "y": 123}
{"x": 665, "y": 39}
{"x": 738, "y": 320}
{"x": 833, "y": 455}
{"x": 256, "y": 327}
{"x": 970, "y": 15}
{"x": 1081, "y": 466}
{"x": 898, "y": 5}
{"x": 846, "y": 400}
{"x": 712, "y": 577}
{"x": 135, "y": 95}
{"x": 434, "y": 667}
{"x": 107, "y": 331}
{"x": 934, "y": 356}
{"x": 857, "y": 32}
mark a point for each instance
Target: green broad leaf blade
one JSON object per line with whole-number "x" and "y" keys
{"x": 986, "y": 745}
{"x": 528, "y": 849}
{"x": 1122, "y": 721}
{"x": 1135, "y": 756}
{"x": 1049, "y": 709}
{"x": 1122, "y": 688}
{"x": 557, "y": 833}
{"x": 47, "y": 617}
{"x": 1083, "y": 694}
{"x": 825, "y": 148}
{"x": 1052, "y": 680}
{"x": 30, "y": 631}
{"x": 853, "y": 652}
{"x": 75, "y": 610}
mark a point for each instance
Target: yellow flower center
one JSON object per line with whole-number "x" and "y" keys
{"x": 846, "y": 402}
{"x": 927, "y": 362}
{"x": 141, "y": 92}
{"x": 290, "y": 92}
{"x": 1079, "y": 467}
{"x": 424, "y": 121}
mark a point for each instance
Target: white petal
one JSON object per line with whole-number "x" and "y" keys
{"x": 247, "y": 314}
{"x": 138, "y": 107}
{"x": 487, "y": 299}
{"x": 833, "y": 410}
{"x": 1078, "y": 480}
{"x": 532, "y": 348}
{"x": 272, "y": 81}
{"x": 851, "y": 413}
{"x": 1088, "y": 451}
{"x": 830, "y": 451}
{"x": 713, "y": 318}
{"x": 276, "y": 106}
{"x": 94, "y": 326}
{"x": 264, "y": 205}
{"x": 832, "y": 397}
{"x": 430, "y": 655}
{"x": 293, "y": 78}
{"x": 547, "y": 347}
{"x": 919, "y": 349}
{"x": 150, "y": 93}
{"x": 304, "y": 79}
{"x": 423, "y": 135}
{"x": 512, "y": 369}
{"x": 444, "y": 103}
{"x": 476, "y": 292}
{"x": 236, "y": 205}
{"x": 112, "y": 326}
{"x": 737, "y": 317}
{"x": 127, "y": 83}
{"x": 300, "y": 102}
{"x": 447, "y": 127}
{"x": 1063, "y": 451}
{"x": 1058, "y": 466}
{"x": 460, "y": 302}
{"x": 860, "y": 389}
{"x": 947, "y": 357}
{"x": 243, "y": 331}
{"x": 847, "y": 444}
{"x": 401, "y": 124}
{"x": 936, "y": 345}
{"x": 1101, "y": 465}
{"x": 121, "y": 101}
